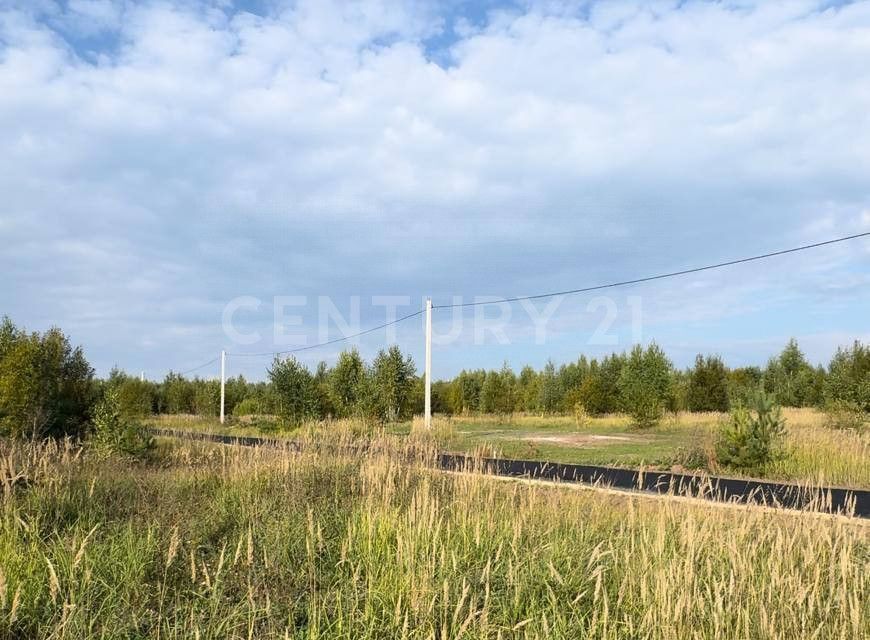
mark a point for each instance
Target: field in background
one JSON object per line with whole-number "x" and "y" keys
{"x": 222, "y": 542}
{"x": 814, "y": 452}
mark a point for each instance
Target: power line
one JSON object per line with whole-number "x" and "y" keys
{"x": 333, "y": 341}
{"x": 202, "y": 366}
{"x": 621, "y": 283}
{"x": 660, "y": 276}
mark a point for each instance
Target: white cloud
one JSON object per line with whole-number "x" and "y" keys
{"x": 203, "y": 154}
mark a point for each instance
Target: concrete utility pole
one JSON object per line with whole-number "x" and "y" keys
{"x": 428, "y": 375}
{"x": 223, "y": 382}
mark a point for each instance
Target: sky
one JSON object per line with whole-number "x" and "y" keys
{"x": 167, "y": 168}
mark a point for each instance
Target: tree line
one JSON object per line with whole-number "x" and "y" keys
{"x": 644, "y": 383}
{"x": 47, "y": 387}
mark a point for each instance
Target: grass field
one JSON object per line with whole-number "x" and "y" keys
{"x": 220, "y": 542}
{"x": 813, "y": 452}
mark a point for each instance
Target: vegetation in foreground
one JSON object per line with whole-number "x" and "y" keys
{"x": 243, "y": 543}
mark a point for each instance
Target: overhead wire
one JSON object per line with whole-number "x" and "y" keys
{"x": 202, "y": 366}
{"x": 620, "y": 283}
{"x": 659, "y": 276}
{"x": 329, "y": 342}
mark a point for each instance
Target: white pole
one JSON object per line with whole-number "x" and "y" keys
{"x": 223, "y": 382}
{"x": 142, "y": 377}
{"x": 428, "y": 409}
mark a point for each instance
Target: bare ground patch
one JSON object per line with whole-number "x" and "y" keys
{"x": 583, "y": 439}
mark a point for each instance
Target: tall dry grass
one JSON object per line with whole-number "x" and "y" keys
{"x": 220, "y": 542}
{"x": 814, "y": 453}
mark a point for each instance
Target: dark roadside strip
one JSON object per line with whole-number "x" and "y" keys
{"x": 833, "y": 500}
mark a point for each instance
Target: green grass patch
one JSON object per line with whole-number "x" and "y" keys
{"x": 221, "y": 542}
{"x": 814, "y": 453}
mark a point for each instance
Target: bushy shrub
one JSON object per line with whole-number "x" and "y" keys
{"x": 259, "y": 400}
{"x": 752, "y": 437}
{"x": 248, "y": 407}
{"x": 695, "y": 456}
{"x": 117, "y": 433}
{"x": 845, "y": 414}
{"x": 645, "y": 409}
{"x": 581, "y": 416}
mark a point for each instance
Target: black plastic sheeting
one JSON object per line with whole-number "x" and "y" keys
{"x": 759, "y": 492}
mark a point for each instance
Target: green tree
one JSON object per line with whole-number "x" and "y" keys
{"x": 680, "y": 381}
{"x": 46, "y": 385}
{"x": 528, "y": 389}
{"x": 846, "y": 388}
{"x": 571, "y": 378}
{"x": 118, "y": 433}
{"x": 708, "y": 385}
{"x": 497, "y": 394}
{"x": 848, "y": 378}
{"x": 792, "y": 379}
{"x": 295, "y": 391}
{"x": 465, "y": 391}
{"x": 440, "y": 396}
{"x": 645, "y": 385}
{"x": 549, "y": 389}
{"x": 600, "y": 392}
{"x": 177, "y": 394}
{"x": 323, "y": 400}
{"x": 237, "y": 389}
{"x": 393, "y": 376}
{"x": 743, "y": 384}
{"x": 259, "y": 399}
{"x": 751, "y": 439}
{"x": 206, "y": 397}
{"x": 137, "y": 398}
{"x": 346, "y": 383}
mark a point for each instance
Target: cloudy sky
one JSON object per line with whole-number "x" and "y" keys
{"x": 162, "y": 159}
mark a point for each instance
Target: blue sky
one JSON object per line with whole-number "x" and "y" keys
{"x": 161, "y": 159}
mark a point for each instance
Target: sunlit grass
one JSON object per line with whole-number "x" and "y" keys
{"x": 821, "y": 455}
{"x": 814, "y": 452}
{"x": 219, "y": 542}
